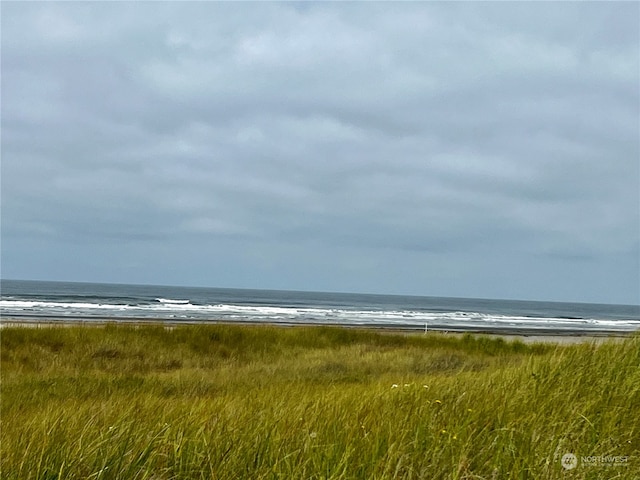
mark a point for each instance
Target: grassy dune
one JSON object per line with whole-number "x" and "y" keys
{"x": 227, "y": 402}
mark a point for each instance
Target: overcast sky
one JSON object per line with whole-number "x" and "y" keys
{"x": 449, "y": 149}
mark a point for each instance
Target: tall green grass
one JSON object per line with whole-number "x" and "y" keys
{"x": 227, "y": 402}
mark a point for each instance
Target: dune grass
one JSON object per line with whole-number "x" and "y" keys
{"x": 231, "y": 402}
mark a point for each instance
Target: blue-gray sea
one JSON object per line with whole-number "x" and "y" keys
{"x": 57, "y": 301}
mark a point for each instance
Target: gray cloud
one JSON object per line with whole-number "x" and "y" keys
{"x": 451, "y": 149}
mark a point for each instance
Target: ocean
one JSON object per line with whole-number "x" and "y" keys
{"x": 59, "y": 301}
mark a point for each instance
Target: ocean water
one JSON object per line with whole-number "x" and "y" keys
{"x": 56, "y": 301}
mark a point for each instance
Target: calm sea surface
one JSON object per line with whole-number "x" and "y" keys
{"x": 53, "y": 301}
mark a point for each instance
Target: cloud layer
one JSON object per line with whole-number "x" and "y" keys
{"x": 427, "y": 148}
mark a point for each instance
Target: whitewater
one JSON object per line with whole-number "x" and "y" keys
{"x": 59, "y": 301}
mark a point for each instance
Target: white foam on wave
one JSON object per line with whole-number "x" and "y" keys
{"x": 172, "y": 301}
{"x": 407, "y": 318}
{"x": 32, "y": 305}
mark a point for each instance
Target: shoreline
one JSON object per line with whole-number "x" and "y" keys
{"x": 523, "y": 335}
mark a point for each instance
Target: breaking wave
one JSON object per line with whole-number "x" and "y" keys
{"x": 183, "y": 309}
